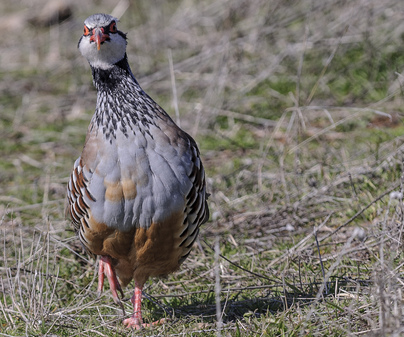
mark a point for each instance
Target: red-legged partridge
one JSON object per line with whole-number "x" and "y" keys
{"x": 136, "y": 195}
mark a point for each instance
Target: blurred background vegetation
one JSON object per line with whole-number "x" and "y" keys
{"x": 297, "y": 107}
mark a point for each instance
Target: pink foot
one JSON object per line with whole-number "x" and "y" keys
{"x": 136, "y": 321}
{"x": 105, "y": 268}
{"x": 132, "y": 322}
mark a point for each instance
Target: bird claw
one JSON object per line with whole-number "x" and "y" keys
{"x": 133, "y": 322}
{"x": 136, "y": 323}
{"x": 120, "y": 290}
{"x": 105, "y": 268}
{"x": 122, "y": 307}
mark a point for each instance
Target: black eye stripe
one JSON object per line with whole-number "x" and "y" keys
{"x": 106, "y": 30}
{"x": 90, "y": 30}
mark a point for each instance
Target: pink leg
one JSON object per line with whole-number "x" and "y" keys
{"x": 136, "y": 321}
{"x": 105, "y": 268}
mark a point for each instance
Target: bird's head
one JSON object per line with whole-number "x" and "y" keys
{"x": 102, "y": 44}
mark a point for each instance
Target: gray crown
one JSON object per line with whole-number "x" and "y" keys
{"x": 99, "y": 20}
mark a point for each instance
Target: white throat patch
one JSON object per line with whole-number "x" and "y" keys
{"x": 110, "y": 52}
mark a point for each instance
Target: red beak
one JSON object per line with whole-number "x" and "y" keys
{"x": 98, "y": 37}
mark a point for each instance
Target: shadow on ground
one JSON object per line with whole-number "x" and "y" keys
{"x": 239, "y": 304}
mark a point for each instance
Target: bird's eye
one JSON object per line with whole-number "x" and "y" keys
{"x": 112, "y": 27}
{"x": 86, "y": 31}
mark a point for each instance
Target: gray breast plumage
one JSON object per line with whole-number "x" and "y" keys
{"x": 136, "y": 178}
{"x": 137, "y": 166}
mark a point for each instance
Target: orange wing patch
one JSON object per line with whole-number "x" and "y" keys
{"x": 120, "y": 190}
{"x": 113, "y": 191}
{"x": 129, "y": 189}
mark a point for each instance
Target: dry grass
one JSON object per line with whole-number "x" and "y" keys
{"x": 297, "y": 108}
